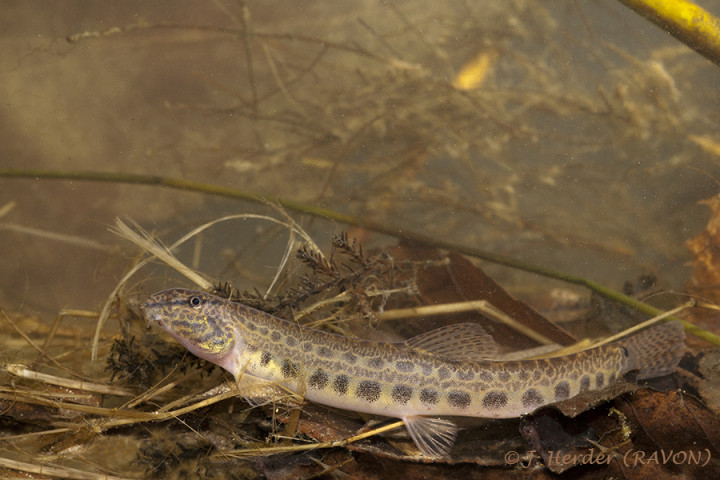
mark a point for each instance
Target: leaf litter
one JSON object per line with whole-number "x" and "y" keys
{"x": 181, "y": 414}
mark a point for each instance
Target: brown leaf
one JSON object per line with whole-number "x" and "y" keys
{"x": 709, "y": 386}
{"x": 673, "y": 431}
{"x": 562, "y": 443}
{"x": 584, "y": 401}
{"x": 648, "y": 434}
{"x": 706, "y": 249}
{"x": 458, "y": 280}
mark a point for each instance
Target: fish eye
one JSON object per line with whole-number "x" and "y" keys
{"x": 195, "y": 301}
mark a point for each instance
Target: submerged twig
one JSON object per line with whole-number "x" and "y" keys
{"x": 689, "y": 304}
{"x": 694, "y": 26}
{"x": 24, "y": 372}
{"x": 55, "y": 236}
{"x": 210, "y": 189}
{"x": 56, "y": 471}
{"x": 482, "y": 306}
{"x": 310, "y": 446}
{"x": 29, "y": 340}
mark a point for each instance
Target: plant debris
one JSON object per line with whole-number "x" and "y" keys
{"x": 200, "y": 425}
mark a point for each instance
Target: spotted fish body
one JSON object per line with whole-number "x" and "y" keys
{"x": 442, "y": 373}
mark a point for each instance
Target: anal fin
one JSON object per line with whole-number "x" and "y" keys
{"x": 434, "y": 437}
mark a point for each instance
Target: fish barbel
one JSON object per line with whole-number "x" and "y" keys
{"x": 445, "y": 372}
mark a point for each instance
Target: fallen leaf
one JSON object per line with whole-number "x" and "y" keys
{"x": 456, "y": 279}
{"x": 706, "y": 249}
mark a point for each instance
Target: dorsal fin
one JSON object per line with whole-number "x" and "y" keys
{"x": 462, "y": 341}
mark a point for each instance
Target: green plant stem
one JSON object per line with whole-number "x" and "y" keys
{"x": 209, "y": 189}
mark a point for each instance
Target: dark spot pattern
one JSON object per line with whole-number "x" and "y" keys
{"x": 325, "y": 352}
{"x": 599, "y": 380}
{"x": 288, "y": 369}
{"x": 291, "y": 341}
{"x": 503, "y": 376}
{"x": 401, "y": 394}
{"x": 350, "y": 358}
{"x": 318, "y": 380}
{"x": 460, "y": 400}
{"x": 275, "y": 337}
{"x": 612, "y": 378}
{"x": 486, "y": 377}
{"x": 404, "y": 367}
{"x": 251, "y": 326}
{"x": 444, "y": 373}
{"x": 494, "y": 400}
{"x": 428, "y": 396}
{"x": 532, "y": 399}
{"x": 265, "y": 358}
{"x": 427, "y": 369}
{"x": 340, "y": 384}
{"x": 562, "y": 391}
{"x": 307, "y": 347}
{"x": 465, "y": 374}
{"x": 263, "y": 331}
{"x": 584, "y": 383}
{"x": 368, "y": 390}
{"x": 375, "y": 362}
{"x": 251, "y": 348}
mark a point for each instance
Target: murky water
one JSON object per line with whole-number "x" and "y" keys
{"x": 584, "y": 146}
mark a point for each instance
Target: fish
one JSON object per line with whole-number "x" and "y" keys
{"x": 452, "y": 371}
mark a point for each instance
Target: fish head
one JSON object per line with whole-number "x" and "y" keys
{"x": 198, "y": 321}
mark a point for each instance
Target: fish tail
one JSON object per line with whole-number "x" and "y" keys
{"x": 656, "y": 351}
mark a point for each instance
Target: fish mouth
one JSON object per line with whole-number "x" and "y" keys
{"x": 152, "y": 314}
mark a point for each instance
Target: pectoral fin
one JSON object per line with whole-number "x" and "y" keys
{"x": 257, "y": 391}
{"x": 434, "y": 437}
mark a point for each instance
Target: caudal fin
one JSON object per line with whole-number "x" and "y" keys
{"x": 656, "y": 351}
